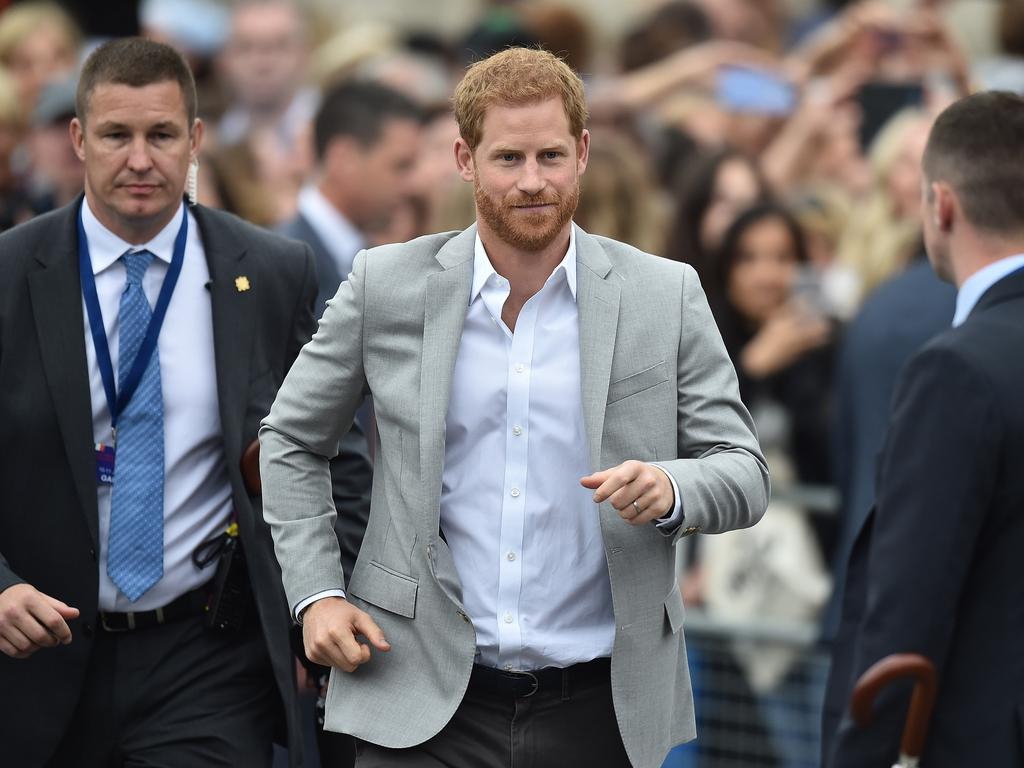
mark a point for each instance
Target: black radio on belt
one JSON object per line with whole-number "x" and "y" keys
{"x": 230, "y": 597}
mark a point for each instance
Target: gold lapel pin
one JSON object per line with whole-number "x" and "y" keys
{"x": 242, "y": 283}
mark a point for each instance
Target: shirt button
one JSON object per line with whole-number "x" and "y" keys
{"x": 515, "y": 493}
{"x": 511, "y": 556}
{"x": 520, "y": 367}
{"x": 508, "y": 618}
{"x": 517, "y": 430}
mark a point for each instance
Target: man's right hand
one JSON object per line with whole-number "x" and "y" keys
{"x": 30, "y": 620}
{"x": 329, "y": 630}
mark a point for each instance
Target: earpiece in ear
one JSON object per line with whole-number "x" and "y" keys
{"x": 192, "y": 182}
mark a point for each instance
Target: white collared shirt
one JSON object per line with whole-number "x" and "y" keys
{"x": 976, "y": 285}
{"x": 342, "y": 240}
{"x": 197, "y": 492}
{"x": 524, "y": 534}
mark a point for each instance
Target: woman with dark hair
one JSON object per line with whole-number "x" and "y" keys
{"x": 711, "y": 193}
{"x": 780, "y": 341}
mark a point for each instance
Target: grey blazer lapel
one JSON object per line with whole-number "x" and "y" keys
{"x": 56, "y": 295}
{"x": 597, "y": 292}
{"x": 447, "y": 299}
{"x": 234, "y": 320}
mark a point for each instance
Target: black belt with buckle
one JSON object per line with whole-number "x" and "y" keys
{"x": 187, "y": 606}
{"x": 520, "y": 685}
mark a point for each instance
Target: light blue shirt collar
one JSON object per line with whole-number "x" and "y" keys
{"x": 341, "y": 239}
{"x": 105, "y": 248}
{"x": 976, "y": 285}
{"x": 483, "y": 269}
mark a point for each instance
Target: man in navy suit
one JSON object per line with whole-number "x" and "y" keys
{"x": 366, "y": 138}
{"x": 938, "y": 566}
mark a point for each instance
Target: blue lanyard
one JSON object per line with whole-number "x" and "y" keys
{"x": 117, "y": 402}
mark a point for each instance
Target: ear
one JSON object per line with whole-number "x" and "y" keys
{"x": 464, "y": 160}
{"x": 945, "y": 206}
{"x": 196, "y": 139}
{"x": 77, "y": 131}
{"x": 582, "y": 152}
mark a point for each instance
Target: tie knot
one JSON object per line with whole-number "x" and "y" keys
{"x": 137, "y": 262}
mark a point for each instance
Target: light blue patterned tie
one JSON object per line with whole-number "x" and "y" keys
{"x": 135, "y": 559}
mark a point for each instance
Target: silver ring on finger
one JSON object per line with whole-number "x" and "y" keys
{"x": 637, "y": 507}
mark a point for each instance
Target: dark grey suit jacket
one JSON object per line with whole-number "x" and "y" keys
{"x": 48, "y": 509}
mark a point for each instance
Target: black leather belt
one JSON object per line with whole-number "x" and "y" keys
{"x": 185, "y": 607}
{"x": 519, "y": 685}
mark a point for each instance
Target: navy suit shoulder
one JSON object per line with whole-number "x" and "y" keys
{"x": 937, "y": 569}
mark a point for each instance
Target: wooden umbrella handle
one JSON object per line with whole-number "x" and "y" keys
{"x": 879, "y": 675}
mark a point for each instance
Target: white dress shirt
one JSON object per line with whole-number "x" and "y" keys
{"x": 524, "y": 534}
{"x": 976, "y": 285}
{"x": 342, "y": 240}
{"x": 197, "y": 492}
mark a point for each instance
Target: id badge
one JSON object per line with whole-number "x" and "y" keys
{"x": 104, "y": 464}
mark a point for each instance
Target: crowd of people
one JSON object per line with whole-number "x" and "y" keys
{"x": 779, "y": 156}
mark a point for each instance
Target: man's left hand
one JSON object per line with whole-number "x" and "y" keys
{"x": 633, "y": 481}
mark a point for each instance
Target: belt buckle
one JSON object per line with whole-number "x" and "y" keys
{"x": 534, "y": 681}
{"x": 129, "y": 617}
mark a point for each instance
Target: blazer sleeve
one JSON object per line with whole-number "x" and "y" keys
{"x": 937, "y": 477}
{"x": 8, "y": 578}
{"x": 721, "y": 474}
{"x": 351, "y": 468}
{"x": 312, "y": 413}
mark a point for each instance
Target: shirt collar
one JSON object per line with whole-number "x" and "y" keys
{"x": 483, "y": 269}
{"x": 976, "y": 285}
{"x": 105, "y": 247}
{"x": 337, "y": 233}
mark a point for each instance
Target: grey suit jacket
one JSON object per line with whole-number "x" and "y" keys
{"x": 657, "y": 385}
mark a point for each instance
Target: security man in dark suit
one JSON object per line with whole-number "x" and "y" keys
{"x": 142, "y": 619}
{"x": 937, "y": 568}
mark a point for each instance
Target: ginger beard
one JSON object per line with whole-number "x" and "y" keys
{"x": 530, "y": 231}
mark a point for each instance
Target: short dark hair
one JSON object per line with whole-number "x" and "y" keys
{"x": 359, "y": 110}
{"x": 975, "y": 147}
{"x": 135, "y": 62}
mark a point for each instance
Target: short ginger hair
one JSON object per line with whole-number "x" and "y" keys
{"x": 513, "y": 77}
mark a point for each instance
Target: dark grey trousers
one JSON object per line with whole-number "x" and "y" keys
{"x": 546, "y": 730}
{"x": 174, "y": 696}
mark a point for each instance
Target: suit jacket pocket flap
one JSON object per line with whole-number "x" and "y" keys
{"x": 637, "y": 382}
{"x": 675, "y": 610}
{"x": 387, "y": 589}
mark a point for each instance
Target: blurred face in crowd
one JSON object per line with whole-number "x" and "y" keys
{"x": 46, "y": 54}
{"x": 54, "y": 159}
{"x": 376, "y": 178}
{"x": 434, "y": 174}
{"x": 526, "y": 173}
{"x": 763, "y": 275}
{"x": 736, "y": 188}
{"x": 265, "y": 57}
{"x": 136, "y": 144}
{"x": 904, "y": 179}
